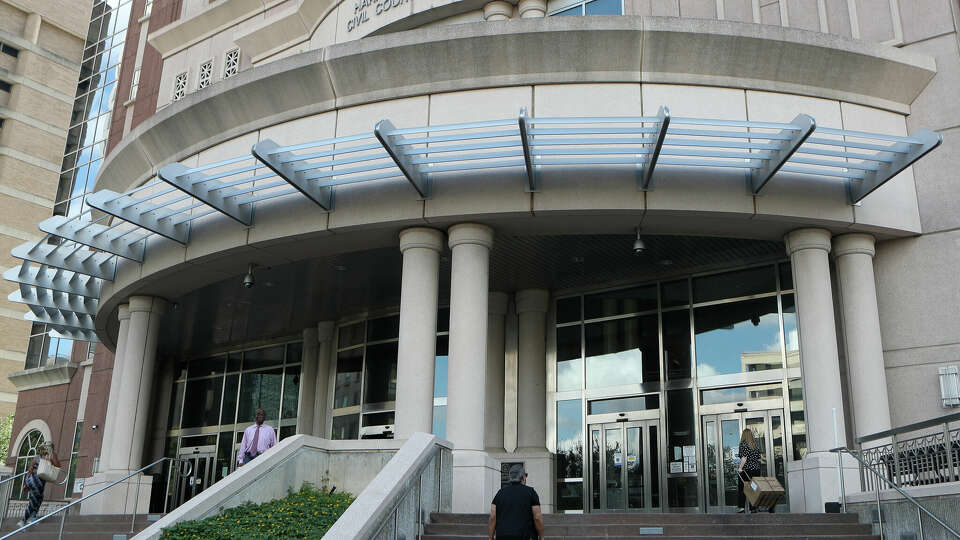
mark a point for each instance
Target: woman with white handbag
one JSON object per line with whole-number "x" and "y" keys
{"x": 44, "y": 467}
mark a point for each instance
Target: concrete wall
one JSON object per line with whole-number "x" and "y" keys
{"x": 900, "y": 516}
{"x": 917, "y": 288}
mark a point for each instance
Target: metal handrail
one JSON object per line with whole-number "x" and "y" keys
{"x": 62, "y": 509}
{"x": 5, "y": 480}
{"x": 920, "y": 507}
{"x": 955, "y": 417}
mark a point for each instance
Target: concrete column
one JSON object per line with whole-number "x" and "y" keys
{"x": 493, "y": 430}
{"x": 815, "y": 481}
{"x": 861, "y": 325}
{"x": 136, "y": 384}
{"x": 417, "y": 348}
{"x": 475, "y": 474}
{"x": 31, "y": 30}
{"x": 308, "y": 375}
{"x": 532, "y": 307}
{"x": 321, "y": 382}
{"x": 532, "y": 8}
{"x": 497, "y": 11}
{"x": 113, "y": 401}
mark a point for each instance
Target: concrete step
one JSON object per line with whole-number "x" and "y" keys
{"x": 730, "y": 530}
{"x": 82, "y": 527}
{"x": 662, "y": 518}
{"x": 698, "y": 537}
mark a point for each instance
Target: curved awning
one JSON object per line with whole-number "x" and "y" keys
{"x": 80, "y": 251}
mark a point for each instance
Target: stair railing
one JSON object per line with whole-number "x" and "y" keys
{"x": 138, "y": 473}
{"x": 6, "y": 496}
{"x": 881, "y": 477}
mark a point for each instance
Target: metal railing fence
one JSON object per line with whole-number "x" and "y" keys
{"x": 920, "y": 460}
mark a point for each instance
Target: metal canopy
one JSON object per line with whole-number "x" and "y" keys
{"x": 62, "y": 291}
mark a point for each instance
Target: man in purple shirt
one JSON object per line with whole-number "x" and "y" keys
{"x": 256, "y": 439}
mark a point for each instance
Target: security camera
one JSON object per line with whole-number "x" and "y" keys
{"x": 638, "y": 245}
{"x": 248, "y": 281}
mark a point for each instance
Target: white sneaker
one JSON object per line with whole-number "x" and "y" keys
{"x": 21, "y": 524}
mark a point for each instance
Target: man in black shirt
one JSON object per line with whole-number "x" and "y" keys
{"x": 515, "y": 511}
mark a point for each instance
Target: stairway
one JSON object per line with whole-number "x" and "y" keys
{"x": 677, "y": 526}
{"x": 82, "y": 527}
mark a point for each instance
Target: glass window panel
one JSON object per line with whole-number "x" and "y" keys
{"x": 294, "y": 352}
{"x": 576, "y": 10}
{"x": 347, "y": 388}
{"x": 620, "y": 302}
{"x": 676, "y": 344}
{"x": 228, "y": 413}
{"x": 654, "y": 469}
{"x": 798, "y": 425}
{"x": 345, "y": 427}
{"x": 202, "y": 405}
{"x": 569, "y": 361}
{"x": 173, "y": 419}
{"x": 261, "y": 358}
{"x": 440, "y": 368}
{"x": 680, "y": 422}
{"x": 206, "y": 366}
{"x": 741, "y": 394}
{"x": 286, "y": 431}
{"x": 234, "y": 361}
{"x": 615, "y": 405}
{"x": 738, "y": 337}
{"x": 674, "y": 293}
{"x": 259, "y": 390}
{"x": 791, "y": 333}
{"x": 34, "y": 352}
{"x": 64, "y": 351}
{"x": 379, "y": 419}
{"x": 225, "y": 455}
{"x": 92, "y": 174}
{"x": 569, "y": 439}
{"x": 786, "y": 276}
{"x": 734, "y": 284}
{"x": 622, "y": 351}
{"x": 350, "y": 335}
{"x": 595, "y": 469}
{"x": 569, "y": 496}
{"x": 291, "y": 392}
{"x": 106, "y": 103}
{"x": 443, "y": 320}
{"x": 383, "y": 328}
{"x": 604, "y": 7}
{"x": 568, "y": 310}
{"x": 440, "y": 421}
{"x": 380, "y": 384}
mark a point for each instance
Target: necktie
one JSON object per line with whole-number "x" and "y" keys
{"x": 253, "y": 445}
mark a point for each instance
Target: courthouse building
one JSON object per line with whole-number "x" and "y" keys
{"x": 600, "y": 238}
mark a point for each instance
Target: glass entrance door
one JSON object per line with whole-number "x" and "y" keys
{"x": 722, "y": 444}
{"x": 201, "y": 475}
{"x": 624, "y": 467}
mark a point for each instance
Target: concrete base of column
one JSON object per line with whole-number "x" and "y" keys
{"x": 541, "y": 472}
{"x": 121, "y": 498}
{"x": 476, "y": 479}
{"x": 813, "y": 481}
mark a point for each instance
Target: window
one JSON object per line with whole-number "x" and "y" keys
{"x": 28, "y": 450}
{"x": 134, "y": 83}
{"x": 180, "y": 86}
{"x": 44, "y": 350}
{"x": 231, "y": 63}
{"x": 148, "y": 8}
{"x": 594, "y": 7}
{"x": 206, "y": 73}
{"x": 4, "y": 86}
{"x": 74, "y": 458}
{"x": 9, "y": 51}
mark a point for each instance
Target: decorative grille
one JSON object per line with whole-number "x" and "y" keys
{"x": 180, "y": 86}
{"x": 231, "y": 64}
{"x": 206, "y": 73}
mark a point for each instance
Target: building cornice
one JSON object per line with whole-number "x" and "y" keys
{"x": 42, "y": 377}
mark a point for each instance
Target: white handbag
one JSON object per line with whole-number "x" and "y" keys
{"x": 46, "y": 471}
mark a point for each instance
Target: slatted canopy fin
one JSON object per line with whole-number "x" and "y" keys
{"x": 803, "y": 126}
{"x": 74, "y": 259}
{"x": 65, "y": 320}
{"x": 102, "y": 237}
{"x": 532, "y": 178}
{"x": 391, "y": 143}
{"x": 124, "y": 206}
{"x": 662, "y": 125}
{"x": 282, "y": 163}
{"x": 204, "y": 189}
{"x": 73, "y": 333}
{"x": 54, "y": 279}
{"x": 55, "y": 300}
{"x": 907, "y": 153}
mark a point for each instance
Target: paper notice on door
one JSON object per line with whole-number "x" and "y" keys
{"x": 689, "y": 451}
{"x": 631, "y": 459}
{"x": 690, "y": 464}
{"x": 677, "y": 453}
{"x": 617, "y": 459}
{"x": 676, "y": 466}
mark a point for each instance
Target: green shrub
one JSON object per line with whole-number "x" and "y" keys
{"x": 308, "y": 513}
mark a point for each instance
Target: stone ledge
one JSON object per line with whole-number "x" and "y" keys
{"x": 42, "y": 377}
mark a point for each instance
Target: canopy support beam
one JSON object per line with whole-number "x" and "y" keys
{"x": 803, "y": 128}
{"x": 280, "y": 162}
{"x": 391, "y": 143}
{"x": 533, "y": 180}
{"x": 858, "y": 189}
{"x": 119, "y": 206}
{"x": 198, "y": 185}
{"x": 662, "y": 125}
{"x": 95, "y": 235}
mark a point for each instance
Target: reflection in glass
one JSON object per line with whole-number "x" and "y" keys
{"x": 738, "y": 337}
{"x": 206, "y": 366}
{"x": 622, "y": 351}
{"x": 776, "y": 429}
{"x": 576, "y": 10}
{"x": 595, "y": 469}
{"x": 710, "y": 434}
{"x": 569, "y": 439}
{"x": 730, "y": 438}
{"x": 627, "y": 404}
{"x": 228, "y": 412}
{"x": 381, "y": 375}
{"x": 262, "y": 358}
{"x": 569, "y": 362}
{"x": 634, "y": 465}
{"x": 676, "y": 344}
{"x": 260, "y": 390}
{"x": 604, "y": 7}
{"x": 345, "y": 427}
{"x": 682, "y": 491}
{"x": 348, "y": 336}
{"x": 790, "y": 332}
{"x": 349, "y": 368}
{"x": 621, "y": 301}
{"x": 798, "y": 425}
{"x": 786, "y": 276}
{"x": 654, "y": 468}
{"x": 291, "y": 391}
{"x": 741, "y": 394}
{"x": 569, "y": 496}
{"x": 613, "y": 439}
{"x": 734, "y": 284}
{"x": 176, "y": 406}
{"x": 440, "y": 421}
{"x": 440, "y": 368}
{"x": 202, "y": 407}
{"x": 680, "y": 427}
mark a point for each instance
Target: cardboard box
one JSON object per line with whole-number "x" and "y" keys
{"x": 763, "y": 490}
